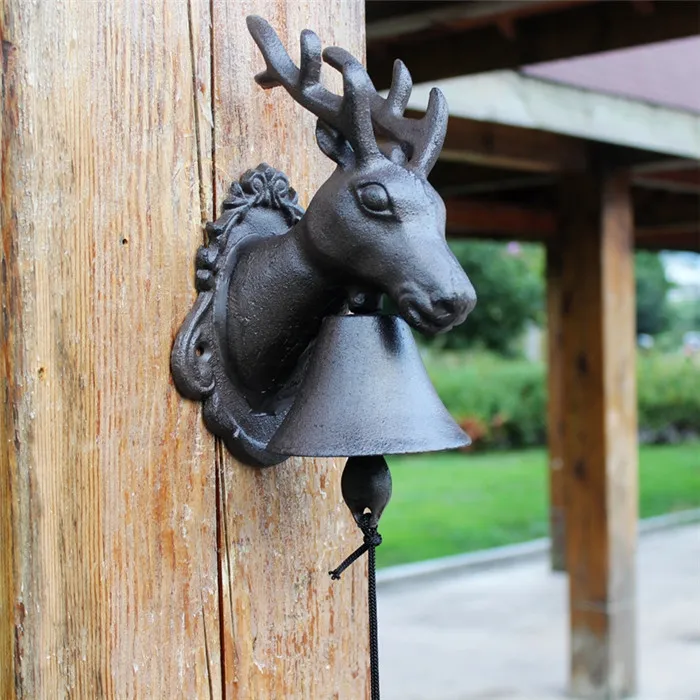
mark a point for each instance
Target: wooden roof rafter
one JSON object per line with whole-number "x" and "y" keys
{"x": 506, "y": 164}
{"x": 445, "y": 39}
{"x": 673, "y": 226}
{"x": 509, "y": 99}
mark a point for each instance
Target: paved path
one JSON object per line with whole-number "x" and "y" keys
{"x": 502, "y": 634}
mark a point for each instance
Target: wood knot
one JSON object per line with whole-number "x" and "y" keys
{"x": 582, "y": 364}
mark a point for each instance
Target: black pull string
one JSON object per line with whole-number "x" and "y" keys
{"x": 372, "y": 539}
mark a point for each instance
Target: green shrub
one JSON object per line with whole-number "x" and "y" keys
{"x": 510, "y": 289}
{"x": 503, "y": 404}
{"x": 669, "y": 398}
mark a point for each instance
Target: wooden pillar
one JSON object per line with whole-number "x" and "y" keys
{"x": 137, "y": 560}
{"x": 288, "y": 630}
{"x": 555, "y": 407}
{"x": 600, "y": 435}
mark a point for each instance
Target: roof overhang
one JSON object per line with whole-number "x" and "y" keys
{"x": 509, "y": 98}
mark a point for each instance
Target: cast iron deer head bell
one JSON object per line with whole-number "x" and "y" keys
{"x": 271, "y": 272}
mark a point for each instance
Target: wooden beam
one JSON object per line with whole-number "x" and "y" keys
{"x": 446, "y": 50}
{"x": 453, "y": 180}
{"x": 556, "y": 407}
{"x": 384, "y": 21}
{"x": 136, "y": 559}
{"x": 664, "y": 210}
{"x": 486, "y": 186}
{"x": 107, "y": 501}
{"x": 511, "y": 147}
{"x": 600, "y": 434}
{"x": 686, "y": 181}
{"x": 469, "y": 218}
{"x": 664, "y": 165}
{"x": 658, "y": 230}
{"x": 288, "y": 630}
{"x": 527, "y": 150}
{"x": 629, "y": 129}
{"x": 681, "y": 237}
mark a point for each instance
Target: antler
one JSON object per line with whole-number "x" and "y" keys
{"x": 350, "y": 115}
{"x": 361, "y": 107}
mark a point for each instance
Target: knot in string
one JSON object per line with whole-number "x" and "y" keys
{"x": 371, "y": 540}
{"x": 372, "y": 537}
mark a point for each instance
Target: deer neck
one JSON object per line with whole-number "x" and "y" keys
{"x": 276, "y": 303}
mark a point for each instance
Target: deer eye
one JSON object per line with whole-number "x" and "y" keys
{"x": 374, "y": 198}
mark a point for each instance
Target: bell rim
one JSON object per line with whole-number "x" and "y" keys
{"x": 345, "y": 454}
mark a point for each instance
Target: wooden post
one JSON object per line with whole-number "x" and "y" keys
{"x": 137, "y": 560}
{"x": 555, "y": 407}
{"x": 600, "y": 436}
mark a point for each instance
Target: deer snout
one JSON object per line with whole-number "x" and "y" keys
{"x": 447, "y": 309}
{"x": 450, "y": 311}
{"x": 436, "y": 309}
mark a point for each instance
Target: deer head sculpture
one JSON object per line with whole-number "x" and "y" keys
{"x": 271, "y": 272}
{"x": 376, "y": 220}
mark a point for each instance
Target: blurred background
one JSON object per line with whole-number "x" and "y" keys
{"x": 491, "y": 372}
{"x": 545, "y": 98}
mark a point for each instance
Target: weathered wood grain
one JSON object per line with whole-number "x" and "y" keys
{"x": 113, "y": 498}
{"x": 600, "y": 433}
{"x": 109, "y": 565}
{"x": 288, "y": 630}
{"x": 9, "y": 309}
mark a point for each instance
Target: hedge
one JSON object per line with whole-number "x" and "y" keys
{"x": 502, "y": 404}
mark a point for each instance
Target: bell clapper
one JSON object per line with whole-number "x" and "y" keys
{"x": 366, "y": 486}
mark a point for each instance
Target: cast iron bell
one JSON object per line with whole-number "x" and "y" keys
{"x": 366, "y": 392}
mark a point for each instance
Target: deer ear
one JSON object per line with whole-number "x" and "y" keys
{"x": 334, "y": 145}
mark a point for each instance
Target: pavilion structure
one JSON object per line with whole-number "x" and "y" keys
{"x": 558, "y": 153}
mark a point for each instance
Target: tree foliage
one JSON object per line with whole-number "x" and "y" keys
{"x": 510, "y": 292}
{"x": 652, "y": 293}
{"x": 510, "y": 289}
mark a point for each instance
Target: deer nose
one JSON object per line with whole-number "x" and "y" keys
{"x": 445, "y": 308}
{"x": 455, "y": 308}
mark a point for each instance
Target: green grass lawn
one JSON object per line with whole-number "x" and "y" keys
{"x": 451, "y": 503}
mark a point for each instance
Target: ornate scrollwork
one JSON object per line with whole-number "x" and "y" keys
{"x": 263, "y": 186}
{"x": 199, "y": 361}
